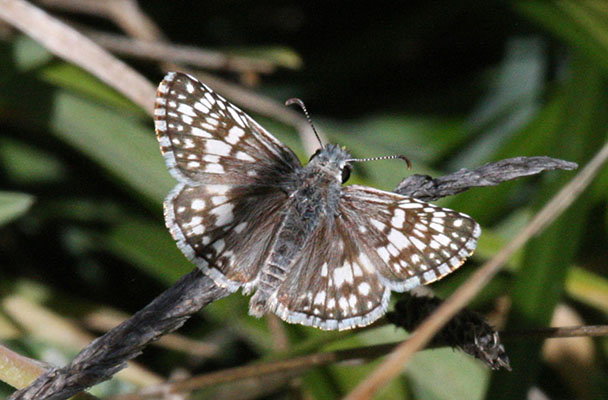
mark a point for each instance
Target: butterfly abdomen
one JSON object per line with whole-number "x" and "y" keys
{"x": 315, "y": 195}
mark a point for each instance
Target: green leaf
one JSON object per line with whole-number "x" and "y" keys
{"x": 123, "y": 147}
{"x": 282, "y": 56}
{"x": 447, "y": 374}
{"x": 148, "y": 246}
{"x": 575, "y": 22}
{"x": 25, "y": 164}
{"x": 588, "y": 287}
{"x": 76, "y": 80}
{"x": 13, "y": 205}
{"x": 29, "y": 54}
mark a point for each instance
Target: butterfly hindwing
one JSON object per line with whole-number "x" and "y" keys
{"x": 340, "y": 288}
{"x": 226, "y": 231}
{"x": 410, "y": 242}
{"x": 380, "y": 241}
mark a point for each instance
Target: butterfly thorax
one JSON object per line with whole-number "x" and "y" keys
{"x": 319, "y": 182}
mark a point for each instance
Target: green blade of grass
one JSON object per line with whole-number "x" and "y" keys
{"x": 539, "y": 284}
{"x": 13, "y": 205}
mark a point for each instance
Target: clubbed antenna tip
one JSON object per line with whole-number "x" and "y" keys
{"x": 300, "y": 103}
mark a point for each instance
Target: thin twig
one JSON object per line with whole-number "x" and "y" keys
{"x": 146, "y": 30}
{"x": 67, "y": 43}
{"x": 124, "y": 13}
{"x": 305, "y": 363}
{"x": 195, "y": 56}
{"x": 425, "y": 188}
{"x": 298, "y": 363}
{"x": 558, "y": 332}
{"x": 393, "y": 365}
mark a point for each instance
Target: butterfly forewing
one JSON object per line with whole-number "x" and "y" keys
{"x": 224, "y": 211}
{"x": 207, "y": 140}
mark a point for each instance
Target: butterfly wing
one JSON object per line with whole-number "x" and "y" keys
{"x": 332, "y": 284}
{"x": 226, "y": 231}
{"x": 379, "y": 242}
{"x": 207, "y": 140}
{"x": 231, "y": 172}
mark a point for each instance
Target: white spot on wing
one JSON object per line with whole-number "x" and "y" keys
{"x": 443, "y": 239}
{"x": 223, "y": 213}
{"x": 343, "y": 304}
{"x": 199, "y": 106}
{"x": 365, "y": 262}
{"x": 444, "y": 269}
{"x": 410, "y": 205}
{"x": 199, "y": 132}
{"x": 219, "y": 199}
{"x": 419, "y": 245}
{"x": 198, "y": 204}
{"x": 331, "y": 304}
{"x": 217, "y": 147}
{"x": 160, "y": 126}
{"x": 214, "y": 168}
{"x": 398, "y": 218}
{"x": 398, "y": 239}
{"x": 383, "y": 253}
{"x": 186, "y": 109}
{"x": 244, "y": 156}
{"x": 240, "y": 227}
{"x": 343, "y": 274}
{"x": 379, "y": 225}
{"x": 364, "y": 288}
{"x": 234, "y": 134}
{"x": 320, "y": 298}
{"x": 219, "y": 246}
{"x": 352, "y": 300}
{"x": 429, "y": 276}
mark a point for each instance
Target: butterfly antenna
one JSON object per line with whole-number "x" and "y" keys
{"x": 404, "y": 158}
{"x": 300, "y": 103}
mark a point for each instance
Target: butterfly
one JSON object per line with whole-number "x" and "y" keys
{"x": 311, "y": 250}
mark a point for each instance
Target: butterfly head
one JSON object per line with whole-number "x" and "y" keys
{"x": 333, "y": 159}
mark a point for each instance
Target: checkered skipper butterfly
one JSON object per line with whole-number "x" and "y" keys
{"x": 250, "y": 216}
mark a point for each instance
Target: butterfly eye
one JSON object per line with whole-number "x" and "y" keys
{"x": 346, "y": 172}
{"x": 314, "y": 155}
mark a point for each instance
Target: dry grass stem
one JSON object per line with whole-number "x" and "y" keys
{"x": 74, "y": 47}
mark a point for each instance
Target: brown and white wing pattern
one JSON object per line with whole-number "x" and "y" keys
{"x": 379, "y": 242}
{"x": 224, "y": 210}
{"x": 226, "y": 231}
{"x": 207, "y": 140}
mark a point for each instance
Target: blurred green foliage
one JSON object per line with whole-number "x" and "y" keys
{"x": 449, "y": 84}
